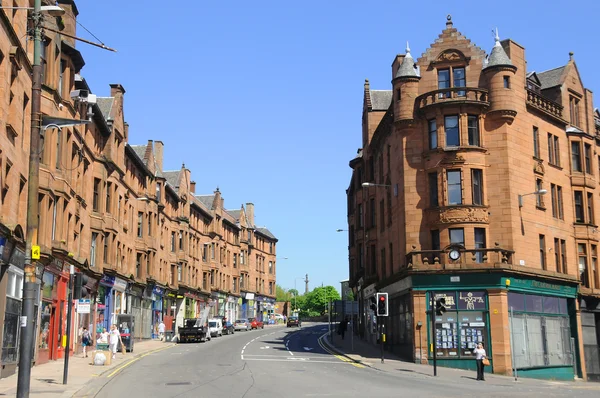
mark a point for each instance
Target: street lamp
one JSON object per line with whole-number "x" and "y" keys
{"x": 540, "y": 192}
{"x": 296, "y": 293}
{"x": 341, "y": 230}
{"x": 53, "y": 11}
{"x": 372, "y": 184}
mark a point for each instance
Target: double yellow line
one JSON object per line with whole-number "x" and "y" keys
{"x": 126, "y": 364}
{"x": 340, "y": 357}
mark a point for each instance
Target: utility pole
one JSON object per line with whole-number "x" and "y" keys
{"x": 433, "y": 331}
{"x": 33, "y": 181}
{"x": 69, "y": 314}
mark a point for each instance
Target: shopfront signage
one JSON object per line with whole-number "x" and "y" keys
{"x": 107, "y": 280}
{"x": 249, "y": 296}
{"x": 471, "y": 301}
{"x": 120, "y": 284}
{"x": 159, "y": 291}
{"x": 450, "y": 299}
{"x": 538, "y": 286}
{"x": 83, "y": 306}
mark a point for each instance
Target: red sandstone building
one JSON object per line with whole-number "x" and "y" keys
{"x": 455, "y": 158}
{"x": 151, "y": 246}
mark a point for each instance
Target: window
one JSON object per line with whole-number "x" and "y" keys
{"x": 381, "y": 215}
{"x": 93, "y": 249}
{"x": 172, "y": 241}
{"x": 557, "y": 206}
{"x": 557, "y": 254}
{"x": 432, "y": 134}
{"x": 149, "y": 230}
{"x": 536, "y": 142}
{"x": 553, "y": 150}
{"x": 383, "y": 266}
{"x": 574, "y": 110}
{"x": 587, "y": 152}
{"x": 105, "y": 253}
{"x": 575, "y": 156}
{"x": 582, "y": 254}
{"x": 477, "y": 186}
{"x": 58, "y": 148}
{"x": 433, "y": 190}
{"x": 54, "y": 206}
{"x": 444, "y": 81}
{"x": 398, "y": 94}
{"x": 594, "y": 274}
{"x": 579, "y": 215}
{"x": 108, "y": 196}
{"x": 158, "y": 193}
{"x": 235, "y": 260}
{"x": 460, "y": 80}
{"x": 138, "y": 265}
{"x": 435, "y": 239}
{"x": 479, "y": 244}
{"x": 457, "y": 236}
{"x": 44, "y": 58}
{"x": 543, "y": 251}
{"x": 560, "y": 202}
{"x": 473, "y": 127}
{"x": 270, "y": 267}
{"x": 96, "y": 197}
{"x": 179, "y": 270}
{"x": 539, "y": 199}
{"x": 451, "y": 130}
{"x": 590, "y": 208}
{"x": 61, "y": 76}
{"x": 180, "y": 240}
{"x": 140, "y": 224}
{"x": 550, "y": 150}
{"x": 373, "y": 215}
{"x": 360, "y": 215}
{"x": 563, "y": 255}
{"x": 506, "y": 81}
{"x": 454, "y": 187}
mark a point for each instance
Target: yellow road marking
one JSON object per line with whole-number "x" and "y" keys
{"x": 126, "y": 364}
{"x": 340, "y": 357}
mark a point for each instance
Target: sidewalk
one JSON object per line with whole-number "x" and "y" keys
{"x": 370, "y": 355}
{"x": 46, "y": 379}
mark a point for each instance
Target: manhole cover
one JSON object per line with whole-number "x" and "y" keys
{"x": 178, "y": 383}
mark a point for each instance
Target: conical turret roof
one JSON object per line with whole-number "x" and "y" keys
{"x": 408, "y": 67}
{"x": 498, "y": 56}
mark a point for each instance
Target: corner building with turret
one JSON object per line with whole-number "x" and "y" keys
{"x": 477, "y": 181}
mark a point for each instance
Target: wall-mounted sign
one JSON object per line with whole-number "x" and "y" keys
{"x": 471, "y": 300}
{"x": 83, "y": 306}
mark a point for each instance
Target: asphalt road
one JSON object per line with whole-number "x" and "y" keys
{"x": 284, "y": 362}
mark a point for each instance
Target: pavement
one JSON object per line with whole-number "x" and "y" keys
{"x": 358, "y": 351}
{"x": 47, "y": 379}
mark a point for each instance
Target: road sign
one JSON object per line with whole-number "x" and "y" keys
{"x": 35, "y": 252}
{"x": 83, "y": 306}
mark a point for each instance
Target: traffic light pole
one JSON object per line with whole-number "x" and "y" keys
{"x": 69, "y": 312}
{"x": 433, "y": 335}
{"x": 382, "y": 337}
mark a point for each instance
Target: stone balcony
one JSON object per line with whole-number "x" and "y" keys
{"x": 454, "y": 96}
{"x": 546, "y": 106}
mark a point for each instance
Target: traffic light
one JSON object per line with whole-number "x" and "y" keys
{"x": 382, "y": 304}
{"x": 79, "y": 289}
{"x": 373, "y": 304}
{"x": 440, "y": 306}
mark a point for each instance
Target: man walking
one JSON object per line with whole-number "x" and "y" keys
{"x": 114, "y": 339}
{"x": 161, "y": 330}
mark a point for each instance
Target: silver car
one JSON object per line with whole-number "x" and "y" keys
{"x": 242, "y": 324}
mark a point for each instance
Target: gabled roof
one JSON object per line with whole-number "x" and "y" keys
{"x": 534, "y": 78}
{"x": 106, "y": 104}
{"x": 264, "y": 231}
{"x": 139, "y": 150}
{"x": 551, "y": 78}
{"x": 197, "y": 202}
{"x": 207, "y": 200}
{"x": 235, "y": 214}
{"x": 381, "y": 99}
{"x": 172, "y": 178}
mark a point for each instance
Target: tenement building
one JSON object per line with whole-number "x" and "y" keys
{"x": 151, "y": 248}
{"x": 477, "y": 182}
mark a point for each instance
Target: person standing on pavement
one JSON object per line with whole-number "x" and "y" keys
{"x": 479, "y": 356}
{"x": 343, "y": 326}
{"x": 86, "y": 339}
{"x": 114, "y": 339}
{"x": 161, "y": 330}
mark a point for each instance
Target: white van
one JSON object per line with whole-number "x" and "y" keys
{"x": 215, "y": 327}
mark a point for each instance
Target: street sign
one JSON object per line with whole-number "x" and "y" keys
{"x": 35, "y": 252}
{"x": 83, "y": 306}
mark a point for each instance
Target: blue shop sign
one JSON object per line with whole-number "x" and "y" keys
{"x": 107, "y": 280}
{"x": 159, "y": 291}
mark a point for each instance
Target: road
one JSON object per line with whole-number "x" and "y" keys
{"x": 283, "y": 362}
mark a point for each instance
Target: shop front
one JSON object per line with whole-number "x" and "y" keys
{"x": 369, "y": 318}
{"x": 534, "y": 318}
{"x": 231, "y": 312}
{"x": 247, "y": 305}
{"x": 12, "y": 294}
{"x": 53, "y": 311}
{"x": 157, "y": 309}
{"x": 134, "y": 295}
{"x": 110, "y": 301}
{"x": 590, "y": 325}
{"x": 169, "y": 309}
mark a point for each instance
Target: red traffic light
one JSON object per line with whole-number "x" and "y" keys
{"x": 381, "y": 298}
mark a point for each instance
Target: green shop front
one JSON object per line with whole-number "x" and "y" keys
{"x": 541, "y": 329}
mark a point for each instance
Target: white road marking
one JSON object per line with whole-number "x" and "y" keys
{"x": 288, "y": 361}
{"x": 307, "y": 348}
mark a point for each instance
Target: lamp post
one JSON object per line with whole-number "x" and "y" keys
{"x": 372, "y": 184}
{"x": 33, "y": 182}
{"x": 539, "y": 193}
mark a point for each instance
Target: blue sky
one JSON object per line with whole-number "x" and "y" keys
{"x": 263, "y": 99}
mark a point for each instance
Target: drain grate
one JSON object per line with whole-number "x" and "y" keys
{"x": 178, "y": 383}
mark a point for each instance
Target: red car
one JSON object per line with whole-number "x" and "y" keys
{"x": 256, "y": 324}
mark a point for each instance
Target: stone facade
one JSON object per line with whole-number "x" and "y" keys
{"x": 150, "y": 246}
{"x": 446, "y": 156}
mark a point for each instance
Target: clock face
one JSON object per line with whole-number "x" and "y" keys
{"x": 454, "y": 254}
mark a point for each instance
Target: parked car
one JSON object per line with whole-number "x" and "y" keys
{"x": 228, "y": 328}
{"x": 242, "y": 324}
{"x": 293, "y": 321}
{"x": 256, "y": 324}
{"x": 215, "y": 326}
{"x": 278, "y": 317}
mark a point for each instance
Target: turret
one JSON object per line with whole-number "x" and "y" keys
{"x": 406, "y": 89}
{"x": 500, "y": 72}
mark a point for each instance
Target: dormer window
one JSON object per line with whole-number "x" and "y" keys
{"x": 452, "y": 77}
{"x": 574, "y": 108}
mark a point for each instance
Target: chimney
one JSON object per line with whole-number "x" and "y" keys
{"x": 158, "y": 154}
{"x": 250, "y": 214}
{"x": 116, "y": 89}
{"x": 126, "y": 131}
{"x": 193, "y": 187}
{"x": 148, "y": 150}
{"x": 69, "y": 19}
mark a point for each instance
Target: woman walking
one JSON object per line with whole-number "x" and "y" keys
{"x": 479, "y": 356}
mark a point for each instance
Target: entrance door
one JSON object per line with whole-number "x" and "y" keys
{"x": 590, "y": 325}
{"x": 52, "y": 338}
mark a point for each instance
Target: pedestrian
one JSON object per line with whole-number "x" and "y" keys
{"x": 161, "y": 330}
{"x": 115, "y": 338}
{"x": 86, "y": 339}
{"x": 342, "y": 328}
{"x": 103, "y": 339}
{"x": 480, "y": 355}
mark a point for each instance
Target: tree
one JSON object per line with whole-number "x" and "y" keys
{"x": 317, "y": 301}
{"x": 281, "y": 294}
{"x": 293, "y": 292}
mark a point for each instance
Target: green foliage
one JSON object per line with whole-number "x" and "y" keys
{"x": 281, "y": 294}
{"x": 317, "y": 301}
